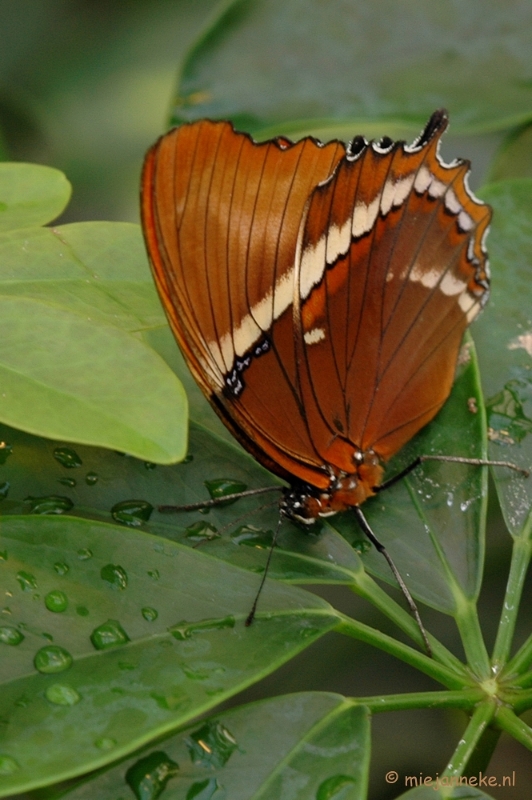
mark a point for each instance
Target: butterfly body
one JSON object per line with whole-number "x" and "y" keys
{"x": 319, "y": 293}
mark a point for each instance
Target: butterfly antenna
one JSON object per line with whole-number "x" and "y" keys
{"x": 251, "y": 615}
{"x": 362, "y": 521}
{"x": 216, "y": 501}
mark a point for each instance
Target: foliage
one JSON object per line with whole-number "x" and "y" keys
{"x": 122, "y": 625}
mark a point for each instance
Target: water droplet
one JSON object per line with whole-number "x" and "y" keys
{"x": 26, "y": 581}
{"x": 50, "y": 504}
{"x": 52, "y": 658}
{"x": 56, "y": 601}
{"x": 221, "y": 487}
{"x": 188, "y": 458}
{"x": 3, "y": 555}
{"x": 5, "y": 451}
{"x": 114, "y": 575}
{"x": 154, "y": 574}
{"x": 149, "y": 614}
{"x": 208, "y": 789}
{"x": 4, "y": 489}
{"x": 61, "y": 694}
{"x": 337, "y": 787}
{"x": 105, "y": 743}
{"x": 211, "y": 745}
{"x": 67, "y": 457}
{"x": 91, "y": 478}
{"x": 61, "y": 567}
{"x": 82, "y": 611}
{"x": 148, "y": 776}
{"x": 184, "y": 630}
{"x": 149, "y": 465}
{"x": 125, "y": 665}
{"x": 110, "y": 634}
{"x": 361, "y": 546}
{"x": 8, "y": 765}
{"x": 201, "y": 531}
{"x": 170, "y": 701}
{"x": 196, "y": 674}
{"x": 132, "y": 512}
{"x": 253, "y": 537}
{"x": 70, "y": 482}
{"x": 10, "y": 635}
{"x": 84, "y": 554}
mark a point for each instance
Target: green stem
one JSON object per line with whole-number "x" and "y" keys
{"x": 521, "y": 552}
{"x": 509, "y": 722}
{"x": 464, "y": 699}
{"x": 481, "y": 718}
{"x": 519, "y": 701}
{"x": 521, "y": 661}
{"x": 367, "y": 588}
{"x": 466, "y": 618}
{"x": 447, "y": 676}
{"x": 522, "y": 681}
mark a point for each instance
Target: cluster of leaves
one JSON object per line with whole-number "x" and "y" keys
{"x": 118, "y": 631}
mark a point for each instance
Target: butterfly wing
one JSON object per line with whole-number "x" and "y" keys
{"x": 221, "y": 216}
{"x": 392, "y": 269}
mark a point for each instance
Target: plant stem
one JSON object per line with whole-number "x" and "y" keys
{"x": 482, "y": 716}
{"x": 441, "y": 673}
{"x": 521, "y": 552}
{"x": 521, "y": 661}
{"x": 510, "y": 723}
{"x": 464, "y": 699}
{"x": 466, "y": 618}
{"x": 367, "y": 588}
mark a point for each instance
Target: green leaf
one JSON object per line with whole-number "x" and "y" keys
{"x": 514, "y": 158}
{"x": 31, "y": 194}
{"x": 98, "y": 270}
{"x": 133, "y": 676}
{"x": 311, "y": 744}
{"x": 314, "y": 66}
{"x": 64, "y": 376}
{"x": 464, "y": 792}
{"x": 504, "y": 339}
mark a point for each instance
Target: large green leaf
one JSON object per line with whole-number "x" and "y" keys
{"x": 302, "y": 745}
{"x": 315, "y": 66}
{"x": 514, "y": 158}
{"x": 432, "y": 523}
{"x": 131, "y": 636}
{"x": 31, "y": 194}
{"x": 504, "y": 338}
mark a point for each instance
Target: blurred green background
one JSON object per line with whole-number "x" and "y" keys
{"x": 86, "y": 86}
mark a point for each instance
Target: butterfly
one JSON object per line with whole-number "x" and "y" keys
{"x": 319, "y": 293}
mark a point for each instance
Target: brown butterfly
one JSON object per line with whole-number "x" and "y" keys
{"x": 319, "y": 293}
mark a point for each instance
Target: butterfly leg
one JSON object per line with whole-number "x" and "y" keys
{"x": 216, "y": 501}
{"x": 364, "y": 524}
{"x": 476, "y": 462}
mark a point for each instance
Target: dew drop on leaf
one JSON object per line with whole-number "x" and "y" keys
{"x": 208, "y": 789}
{"x": 4, "y": 489}
{"x": 5, "y": 451}
{"x": 154, "y": 574}
{"x": 149, "y": 614}
{"x": 91, "y": 478}
{"x": 56, "y": 601}
{"x": 105, "y": 743}
{"x": 149, "y": 465}
{"x": 253, "y": 537}
{"x": 49, "y": 504}
{"x": 70, "y": 482}
{"x": 67, "y": 457}
{"x": 132, "y": 512}
{"x": 26, "y": 581}
{"x": 201, "y": 531}
{"x": 82, "y": 611}
{"x": 61, "y": 567}
{"x": 221, "y": 487}
{"x": 114, "y": 575}
{"x": 148, "y": 776}
{"x": 52, "y": 658}
{"x": 109, "y": 634}
{"x": 61, "y": 694}
{"x": 184, "y": 630}
{"x": 8, "y": 765}
{"x": 211, "y": 745}
{"x": 337, "y": 787}
{"x": 10, "y": 635}
{"x": 3, "y": 555}
{"x": 84, "y": 554}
